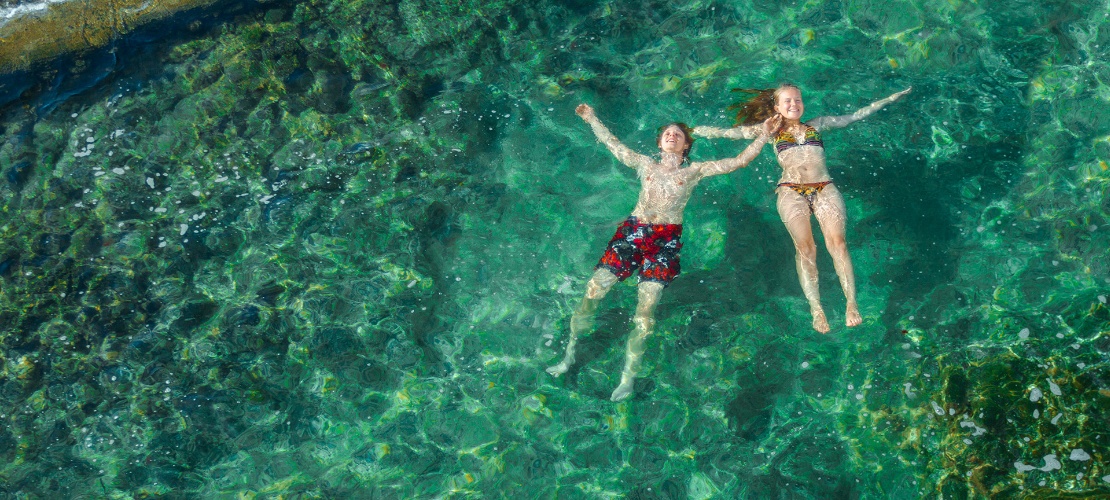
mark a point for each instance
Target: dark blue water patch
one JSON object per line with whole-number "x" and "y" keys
{"x": 15, "y": 86}
{"x": 279, "y": 210}
{"x": 196, "y": 312}
{"x": 269, "y": 294}
{"x": 64, "y": 85}
{"x": 246, "y": 316}
{"x": 335, "y": 91}
{"x": 358, "y": 147}
{"x": 144, "y": 341}
{"x": 52, "y": 243}
{"x": 298, "y": 81}
{"x": 438, "y": 222}
{"x": 8, "y": 263}
{"x": 18, "y": 174}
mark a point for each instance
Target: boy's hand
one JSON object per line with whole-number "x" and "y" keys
{"x": 585, "y": 111}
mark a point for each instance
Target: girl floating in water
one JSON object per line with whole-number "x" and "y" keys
{"x": 649, "y": 240}
{"x": 805, "y": 187}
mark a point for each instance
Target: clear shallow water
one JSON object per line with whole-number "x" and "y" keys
{"x": 328, "y": 249}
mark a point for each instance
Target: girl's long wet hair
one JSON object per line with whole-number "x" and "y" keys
{"x": 759, "y": 106}
{"x": 686, "y": 131}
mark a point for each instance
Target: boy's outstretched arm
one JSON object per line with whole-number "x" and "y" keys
{"x": 741, "y": 132}
{"x": 622, "y": 152}
{"x": 827, "y": 122}
{"x": 769, "y": 127}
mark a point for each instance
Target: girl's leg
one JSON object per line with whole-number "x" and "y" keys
{"x": 582, "y": 320}
{"x": 644, "y": 323}
{"x": 830, "y": 211}
{"x": 795, "y": 213}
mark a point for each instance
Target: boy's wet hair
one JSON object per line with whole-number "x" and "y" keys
{"x": 686, "y": 131}
{"x": 760, "y": 106}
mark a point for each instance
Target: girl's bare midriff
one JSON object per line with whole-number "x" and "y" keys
{"x": 803, "y": 165}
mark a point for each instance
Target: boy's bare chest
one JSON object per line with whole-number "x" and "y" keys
{"x": 667, "y": 179}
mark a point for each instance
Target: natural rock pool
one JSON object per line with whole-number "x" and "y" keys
{"x": 326, "y": 248}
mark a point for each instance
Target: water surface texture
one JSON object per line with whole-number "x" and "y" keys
{"x": 325, "y": 249}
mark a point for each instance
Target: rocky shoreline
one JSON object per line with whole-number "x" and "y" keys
{"x": 75, "y": 26}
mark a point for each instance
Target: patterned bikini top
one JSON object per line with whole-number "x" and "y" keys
{"x": 785, "y": 140}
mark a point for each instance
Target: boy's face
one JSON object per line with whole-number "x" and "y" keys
{"x": 673, "y": 140}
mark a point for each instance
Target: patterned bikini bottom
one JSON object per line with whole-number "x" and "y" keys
{"x": 808, "y": 191}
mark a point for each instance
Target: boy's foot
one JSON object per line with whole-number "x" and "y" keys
{"x": 559, "y": 369}
{"x": 623, "y": 391}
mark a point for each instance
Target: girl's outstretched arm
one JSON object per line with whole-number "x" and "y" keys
{"x": 623, "y": 154}
{"x": 827, "y": 122}
{"x": 765, "y": 131}
{"x": 741, "y": 132}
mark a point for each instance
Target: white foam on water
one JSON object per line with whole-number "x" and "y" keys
{"x": 1079, "y": 455}
{"x": 9, "y": 13}
{"x": 936, "y": 408}
{"x": 1052, "y": 387}
{"x": 1035, "y": 395}
{"x": 1021, "y": 467}
{"x": 979, "y": 431}
{"x": 1023, "y": 334}
{"x": 1051, "y": 463}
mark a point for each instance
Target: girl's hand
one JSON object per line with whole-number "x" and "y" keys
{"x": 585, "y": 111}
{"x": 771, "y": 125}
{"x": 898, "y": 95}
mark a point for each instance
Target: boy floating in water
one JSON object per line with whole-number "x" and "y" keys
{"x": 649, "y": 240}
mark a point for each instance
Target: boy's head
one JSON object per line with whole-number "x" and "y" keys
{"x": 676, "y": 138}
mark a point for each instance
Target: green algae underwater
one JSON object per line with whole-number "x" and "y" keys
{"x": 324, "y": 249}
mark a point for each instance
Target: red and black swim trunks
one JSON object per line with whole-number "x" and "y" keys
{"x": 651, "y": 248}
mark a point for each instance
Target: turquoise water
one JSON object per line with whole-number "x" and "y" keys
{"x": 325, "y": 249}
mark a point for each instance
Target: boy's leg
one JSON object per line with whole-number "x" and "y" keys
{"x": 582, "y": 320}
{"x": 644, "y": 323}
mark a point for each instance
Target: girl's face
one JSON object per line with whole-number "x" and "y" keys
{"x": 673, "y": 140}
{"x": 789, "y": 104}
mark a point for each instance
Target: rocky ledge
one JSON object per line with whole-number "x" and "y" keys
{"x": 74, "y": 26}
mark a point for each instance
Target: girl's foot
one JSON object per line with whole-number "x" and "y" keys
{"x": 852, "y": 316}
{"x": 623, "y": 391}
{"x": 820, "y": 323}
